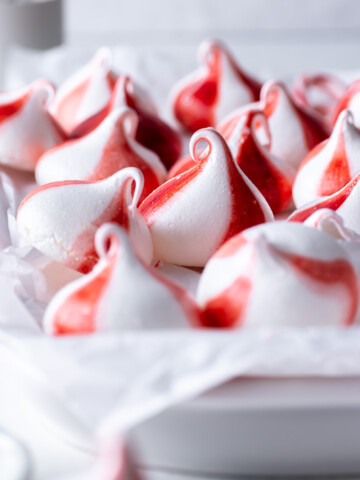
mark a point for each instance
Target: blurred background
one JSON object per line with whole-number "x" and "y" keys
{"x": 268, "y": 35}
{"x": 276, "y": 35}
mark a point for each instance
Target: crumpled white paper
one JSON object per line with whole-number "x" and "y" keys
{"x": 112, "y": 381}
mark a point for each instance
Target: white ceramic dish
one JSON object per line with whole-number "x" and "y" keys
{"x": 259, "y": 427}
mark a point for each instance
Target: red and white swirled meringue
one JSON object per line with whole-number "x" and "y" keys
{"x": 319, "y": 94}
{"x": 346, "y": 202}
{"x": 293, "y": 131}
{"x": 330, "y": 165}
{"x": 272, "y": 176}
{"x": 84, "y": 93}
{"x": 60, "y": 219}
{"x": 101, "y": 153}
{"x": 350, "y": 101}
{"x": 279, "y": 274}
{"x": 27, "y": 129}
{"x": 152, "y": 132}
{"x": 191, "y": 215}
{"x": 219, "y": 86}
{"x": 121, "y": 293}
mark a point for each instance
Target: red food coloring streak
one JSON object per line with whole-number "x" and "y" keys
{"x": 337, "y": 173}
{"x": 333, "y": 203}
{"x": 118, "y": 154}
{"x": 159, "y": 197}
{"x": 227, "y": 310}
{"x": 77, "y": 315}
{"x": 256, "y": 165}
{"x": 246, "y": 210}
{"x": 328, "y": 273}
{"x": 151, "y": 131}
{"x": 66, "y": 110}
{"x": 116, "y": 211}
{"x": 195, "y": 104}
{"x": 344, "y": 102}
{"x": 12, "y": 108}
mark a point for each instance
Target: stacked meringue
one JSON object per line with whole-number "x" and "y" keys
{"x": 116, "y": 203}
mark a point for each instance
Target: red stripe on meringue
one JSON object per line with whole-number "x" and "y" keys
{"x": 195, "y": 104}
{"x": 159, "y": 197}
{"x": 77, "y": 315}
{"x": 231, "y": 247}
{"x": 116, "y": 211}
{"x": 68, "y": 107}
{"x": 246, "y": 210}
{"x": 227, "y": 309}
{"x": 333, "y": 202}
{"x": 328, "y": 273}
{"x": 118, "y": 154}
{"x": 337, "y": 174}
{"x": 275, "y": 187}
{"x": 12, "y": 108}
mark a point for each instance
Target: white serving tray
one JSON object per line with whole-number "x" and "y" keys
{"x": 259, "y": 427}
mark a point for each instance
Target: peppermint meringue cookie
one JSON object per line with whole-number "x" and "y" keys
{"x": 191, "y": 215}
{"x": 85, "y": 93}
{"x": 245, "y": 136}
{"x": 319, "y": 95}
{"x": 219, "y": 86}
{"x": 346, "y": 202}
{"x": 293, "y": 131}
{"x": 27, "y": 129}
{"x": 108, "y": 149}
{"x": 350, "y": 101}
{"x": 330, "y": 165}
{"x": 60, "y": 219}
{"x": 152, "y": 132}
{"x": 121, "y": 293}
{"x": 279, "y": 274}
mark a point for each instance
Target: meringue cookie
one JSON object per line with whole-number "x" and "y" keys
{"x": 345, "y": 202}
{"x": 101, "y": 153}
{"x": 350, "y": 101}
{"x": 279, "y": 274}
{"x": 27, "y": 129}
{"x": 272, "y": 176}
{"x": 85, "y": 93}
{"x": 121, "y": 293}
{"x": 319, "y": 95}
{"x": 191, "y": 215}
{"x": 152, "y": 132}
{"x": 293, "y": 131}
{"x": 219, "y": 86}
{"x": 330, "y": 165}
{"x": 60, "y": 219}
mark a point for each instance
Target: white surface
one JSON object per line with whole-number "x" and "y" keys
{"x": 259, "y": 427}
